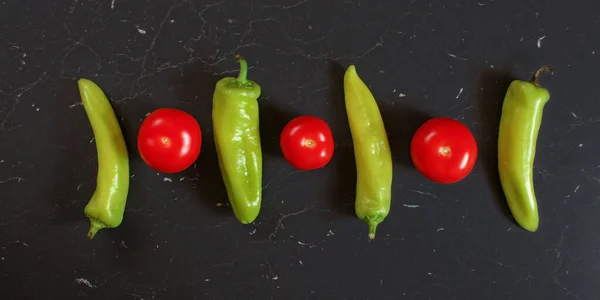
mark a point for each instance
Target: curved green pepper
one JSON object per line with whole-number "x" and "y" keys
{"x": 517, "y": 138}
{"x": 371, "y": 152}
{"x": 107, "y": 205}
{"x": 237, "y": 139}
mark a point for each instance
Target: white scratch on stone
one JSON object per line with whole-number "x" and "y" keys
{"x": 167, "y": 179}
{"x": 84, "y": 281}
{"x": 539, "y": 41}
{"x": 401, "y": 95}
{"x": 457, "y": 57}
{"x": 300, "y": 262}
{"x": 18, "y": 179}
{"x": 411, "y": 205}
{"x": 293, "y": 5}
{"x": 112, "y": 4}
{"x": 459, "y": 93}
{"x": 275, "y": 277}
{"x": 306, "y": 244}
{"x": 423, "y": 193}
{"x": 140, "y": 30}
{"x": 440, "y": 229}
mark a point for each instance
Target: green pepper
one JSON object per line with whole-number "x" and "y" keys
{"x": 237, "y": 139}
{"x": 371, "y": 152}
{"x": 517, "y": 138}
{"x": 107, "y": 205}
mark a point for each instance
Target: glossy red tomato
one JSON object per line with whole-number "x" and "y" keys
{"x": 169, "y": 140}
{"x": 444, "y": 150}
{"x": 307, "y": 143}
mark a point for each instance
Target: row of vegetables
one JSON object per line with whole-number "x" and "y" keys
{"x": 442, "y": 149}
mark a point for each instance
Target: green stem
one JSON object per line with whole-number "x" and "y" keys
{"x": 242, "y": 77}
{"x": 94, "y": 227}
{"x": 372, "y": 228}
{"x": 536, "y": 75}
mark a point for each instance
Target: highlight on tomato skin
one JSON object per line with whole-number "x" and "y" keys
{"x": 307, "y": 143}
{"x": 444, "y": 150}
{"x": 169, "y": 140}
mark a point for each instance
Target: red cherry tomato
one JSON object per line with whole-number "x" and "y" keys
{"x": 307, "y": 143}
{"x": 444, "y": 150}
{"x": 169, "y": 140}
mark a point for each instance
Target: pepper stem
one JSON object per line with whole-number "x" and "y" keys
{"x": 242, "y": 77}
{"x": 372, "y": 228}
{"x": 94, "y": 227}
{"x": 548, "y": 68}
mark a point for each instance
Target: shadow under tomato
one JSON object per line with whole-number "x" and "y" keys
{"x": 492, "y": 89}
{"x": 401, "y": 122}
{"x": 273, "y": 119}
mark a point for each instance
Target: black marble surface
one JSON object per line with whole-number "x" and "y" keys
{"x": 179, "y": 240}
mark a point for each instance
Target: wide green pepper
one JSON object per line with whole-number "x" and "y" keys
{"x": 107, "y": 205}
{"x": 371, "y": 152}
{"x": 237, "y": 139}
{"x": 519, "y": 126}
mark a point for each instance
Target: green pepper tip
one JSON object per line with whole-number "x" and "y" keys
{"x": 351, "y": 68}
{"x": 530, "y": 225}
{"x": 94, "y": 227}
{"x": 81, "y": 82}
{"x": 372, "y": 228}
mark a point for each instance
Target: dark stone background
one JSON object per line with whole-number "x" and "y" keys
{"x": 439, "y": 242}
